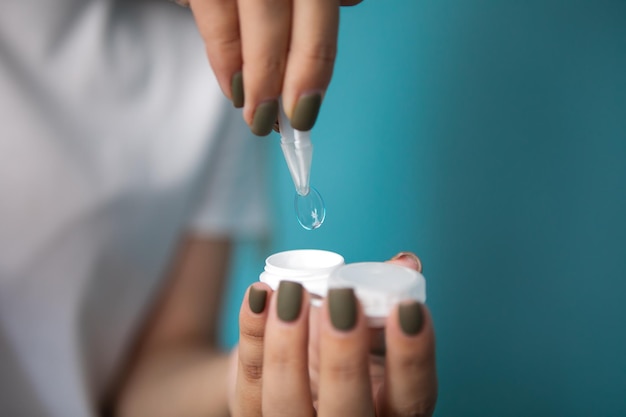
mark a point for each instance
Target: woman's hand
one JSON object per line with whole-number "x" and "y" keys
{"x": 269, "y": 47}
{"x": 290, "y": 364}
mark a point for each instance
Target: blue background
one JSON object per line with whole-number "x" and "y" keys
{"x": 489, "y": 138}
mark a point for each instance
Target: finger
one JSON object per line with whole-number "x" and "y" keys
{"x": 314, "y": 351}
{"x": 311, "y": 59}
{"x": 252, "y": 322}
{"x": 218, "y": 24}
{"x": 344, "y": 388}
{"x": 408, "y": 259}
{"x": 286, "y": 390}
{"x": 265, "y": 32}
{"x": 410, "y": 387}
{"x": 377, "y": 334}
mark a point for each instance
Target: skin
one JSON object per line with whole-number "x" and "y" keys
{"x": 178, "y": 369}
{"x": 308, "y": 368}
{"x": 283, "y": 47}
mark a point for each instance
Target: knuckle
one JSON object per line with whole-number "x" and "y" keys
{"x": 251, "y": 334}
{"x": 226, "y": 43}
{"x": 252, "y": 338}
{"x": 252, "y": 371}
{"x": 417, "y": 399}
{"x": 425, "y": 408}
{"x": 416, "y": 362}
{"x": 323, "y": 52}
{"x": 282, "y": 358}
{"x": 346, "y": 370}
{"x": 270, "y": 64}
{"x": 416, "y": 404}
{"x": 223, "y": 52}
{"x": 412, "y": 365}
{"x": 271, "y": 4}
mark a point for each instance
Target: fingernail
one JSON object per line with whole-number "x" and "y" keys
{"x": 410, "y": 257}
{"x": 306, "y": 111}
{"x": 256, "y": 300}
{"x": 411, "y": 318}
{"x": 264, "y": 118}
{"x": 289, "y": 300}
{"x": 342, "y": 306}
{"x": 236, "y": 88}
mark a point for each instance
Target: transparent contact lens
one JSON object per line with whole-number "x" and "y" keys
{"x": 310, "y": 209}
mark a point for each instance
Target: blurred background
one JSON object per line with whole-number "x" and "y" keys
{"x": 490, "y": 139}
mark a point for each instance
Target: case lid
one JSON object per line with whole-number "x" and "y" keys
{"x": 379, "y": 286}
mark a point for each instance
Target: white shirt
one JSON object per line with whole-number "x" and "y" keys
{"x": 114, "y": 141}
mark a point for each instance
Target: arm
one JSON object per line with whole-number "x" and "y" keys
{"x": 178, "y": 369}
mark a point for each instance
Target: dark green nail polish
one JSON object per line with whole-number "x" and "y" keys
{"x": 306, "y": 111}
{"x": 236, "y": 88}
{"x": 411, "y": 318}
{"x": 264, "y": 118}
{"x": 289, "y": 300}
{"x": 256, "y": 300}
{"x": 342, "y": 306}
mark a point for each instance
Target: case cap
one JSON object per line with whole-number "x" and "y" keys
{"x": 310, "y": 267}
{"x": 379, "y": 286}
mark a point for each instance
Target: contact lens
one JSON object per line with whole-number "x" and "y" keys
{"x": 310, "y": 209}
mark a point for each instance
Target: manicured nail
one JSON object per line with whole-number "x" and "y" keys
{"x": 236, "y": 88}
{"x": 264, "y": 118}
{"x": 256, "y": 299}
{"x": 342, "y": 306}
{"x": 411, "y": 318}
{"x": 306, "y": 111}
{"x": 410, "y": 257}
{"x": 289, "y": 300}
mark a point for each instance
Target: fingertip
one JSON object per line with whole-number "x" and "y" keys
{"x": 290, "y": 306}
{"x": 237, "y": 90}
{"x": 342, "y": 308}
{"x": 305, "y": 112}
{"x": 409, "y": 260}
{"x": 411, "y": 318}
{"x": 303, "y": 93}
{"x": 264, "y": 118}
{"x": 257, "y": 299}
{"x": 254, "y": 312}
{"x": 409, "y": 324}
{"x": 343, "y": 314}
{"x": 259, "y": 286}
{"x": 289, "y": 301}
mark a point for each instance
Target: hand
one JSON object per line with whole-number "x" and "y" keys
{"x": 285, "y": 46}
{"x": 288, "y": 365}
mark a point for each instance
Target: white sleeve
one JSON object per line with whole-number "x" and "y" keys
{"x": 232, "y": 198}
